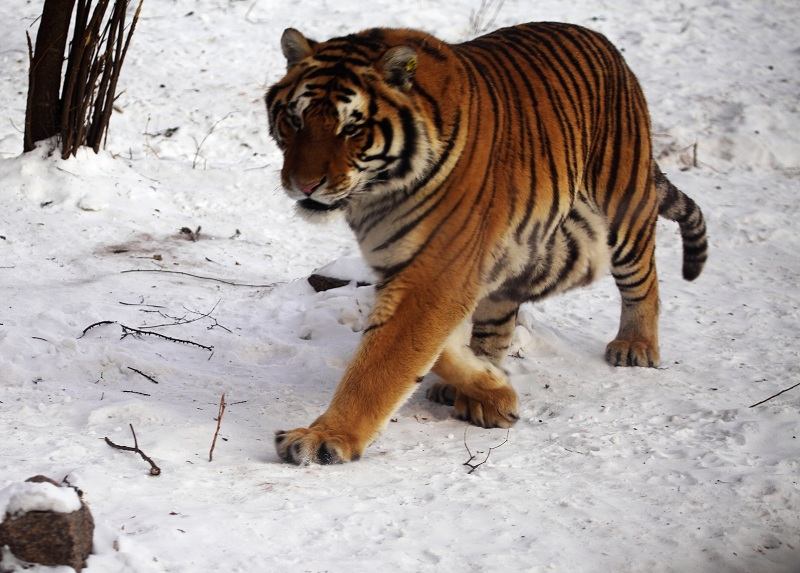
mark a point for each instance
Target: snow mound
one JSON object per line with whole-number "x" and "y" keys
{"x": 19, "y": 498}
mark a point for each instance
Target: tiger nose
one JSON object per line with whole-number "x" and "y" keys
{"x": 308, "y": 188}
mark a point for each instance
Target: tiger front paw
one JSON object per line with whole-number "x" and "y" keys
{"x": 622, "y": 352}
{"x": 303, "y": 446}
{"x": 494, "y": 408}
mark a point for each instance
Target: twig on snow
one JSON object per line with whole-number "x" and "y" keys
{"x": 135, "y": 392}
{"x": 140, "y": 303}
{"x": 219, "y": 422}
{"x": 153, "y": 380}
{"x": 154, "y": 469}
{"x": 179, "y": 321}
{"x": 469, "y": 463}
{"x": 91, "y": 326}
{"x": 200, "y": 144}
{"x": 271, "y": 285}
{"x": 575, "y": 451}
{"x": 128, "y": 331}
{"x": 775, "y": 395}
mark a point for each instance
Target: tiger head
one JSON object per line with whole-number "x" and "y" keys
{"x": 346, "y": 118}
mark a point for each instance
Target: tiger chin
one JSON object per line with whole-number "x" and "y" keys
{"x": 476, "y": 177}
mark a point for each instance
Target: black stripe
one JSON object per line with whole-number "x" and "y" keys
{"x": 497, "y": 321}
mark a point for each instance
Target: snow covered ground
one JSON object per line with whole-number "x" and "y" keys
{"x": 639, "y": 470}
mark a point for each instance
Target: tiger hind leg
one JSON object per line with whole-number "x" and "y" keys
{"x": 472, "y": 380}
{"x": 634, "y": 272}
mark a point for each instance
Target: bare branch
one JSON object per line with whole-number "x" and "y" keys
{"x": 202, "y": 141}
{"x": 477, "y": 17}
{"x": 472, "y": 456}
{"x": 775, "y": 395}
{"x": 127, "y": 331}
{"x": 141, "y": 303}
{"x": 219, "y": 422}
{"x": 180, "y": 321}
{"x": 153, "y": 380}
{"x": 91, "y": 326}
{"x": 270, "y": 285}
{"x": 154, "y": 469}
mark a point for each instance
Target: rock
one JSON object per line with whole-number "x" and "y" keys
{"x": 49, "y": 537}
{"x": 322, "y": 283}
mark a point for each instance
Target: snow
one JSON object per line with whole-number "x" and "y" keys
{"x": 662, "y": 470}
{"x": 23, "y": 497}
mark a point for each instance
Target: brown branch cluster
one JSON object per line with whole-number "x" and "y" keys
{"x": 94, "y": 62}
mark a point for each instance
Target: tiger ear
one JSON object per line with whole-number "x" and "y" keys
{"x": 296, "y": 47}
{"x": 399, "y": 65}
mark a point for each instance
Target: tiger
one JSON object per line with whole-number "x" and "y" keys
{"x": 475, "y": 177}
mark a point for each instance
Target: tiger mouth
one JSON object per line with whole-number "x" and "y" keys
{"x": 313, "y": 205}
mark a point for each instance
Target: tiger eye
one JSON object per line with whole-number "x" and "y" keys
{"x": 350, "y": 129}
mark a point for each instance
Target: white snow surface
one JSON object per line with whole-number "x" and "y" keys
{"x": 22, "y": 497}
{"x": 625, "y": 470}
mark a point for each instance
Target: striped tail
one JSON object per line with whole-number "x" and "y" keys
{"x": 674, "y": 205}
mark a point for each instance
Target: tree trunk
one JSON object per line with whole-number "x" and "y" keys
{"x": 43, "y": 113}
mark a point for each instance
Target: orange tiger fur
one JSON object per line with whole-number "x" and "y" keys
{"x": 476, "y": 177}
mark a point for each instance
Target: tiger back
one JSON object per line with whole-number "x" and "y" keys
{"x": 475, "y": 177}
